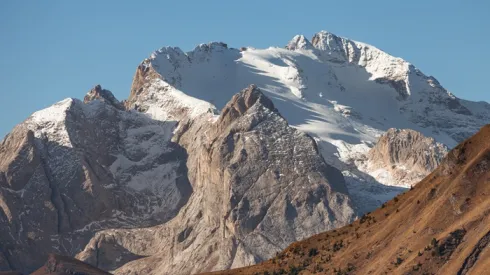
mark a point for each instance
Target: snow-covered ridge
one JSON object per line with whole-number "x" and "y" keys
{"x": 321, "y": 69}
{"x": 344, "y": 93}
{"x": 50, "y": 122}
{"x": 76, "y": 167}
{"x": 120, "y": 164}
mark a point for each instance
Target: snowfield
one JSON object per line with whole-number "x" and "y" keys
{"x": 165, "y": 171}
{"x": 343, "y": 93}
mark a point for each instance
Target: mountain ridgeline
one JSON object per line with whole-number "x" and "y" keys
{"x": 441, "y": 226}
{"x": 221, "y": 157}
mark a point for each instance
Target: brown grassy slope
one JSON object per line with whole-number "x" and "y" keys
{"x": 441, "y": 226}
{"x": 61, "y": 265}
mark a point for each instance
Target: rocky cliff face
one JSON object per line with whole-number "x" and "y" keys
{"x": 103, "y": 95}
{"x": 76, "y": 168}
{"x": 330, "y": 87}
{"x": 165, "y": 181}
{"x": 404, "y": 156}
{"x": 258, "y": 185}
{"x": 73, "y": 169}
{"x": 441, "y": 226}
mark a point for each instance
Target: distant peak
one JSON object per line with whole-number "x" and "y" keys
{"x": 249, "y": 97}
{"x": 326, "y": 33}
{"x": 97, "y": 93}
{"x": 211, "y": 46}
{"x": 299, "y": 42}
{"x": 168, "y": 50}
{"x": 324, "y": 40}
{"x": 243, "y": 101}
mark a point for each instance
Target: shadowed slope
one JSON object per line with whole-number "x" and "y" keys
{"x": 61, "y": 265}
{"x": 439, "y": 227}
{"x": 258, "y": 185}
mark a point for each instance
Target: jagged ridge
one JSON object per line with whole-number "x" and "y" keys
{"x": 439, "y": 227}
{"x": 330, "y": 88}
{"x": 258, "y": 185}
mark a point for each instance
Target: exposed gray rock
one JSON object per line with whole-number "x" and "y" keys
{"x": 73, "y": 169}
{"x": 407, "y": 155}
{"x": 76, "y": 168}
{"x": 97, "y": 93}
{"x": 258, "y": 184}
{"x": 299, "y": 42}
{"x": 223, "y": 191}
{"x": 399, "y": 85}
{"x": 339, "y": 49}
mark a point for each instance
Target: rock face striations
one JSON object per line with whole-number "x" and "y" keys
{"x": 405, "y": 156}
{"x": 441, "y": 226}
{"x": 179, "y": 179}
{"x": 258, "y": 184}
{"x": 73, "y": 169}
{"x": 330, "y": 88}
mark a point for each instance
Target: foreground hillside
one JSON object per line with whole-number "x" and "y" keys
{"x": 442, "y": 226}
{"x": 179, "y": 179}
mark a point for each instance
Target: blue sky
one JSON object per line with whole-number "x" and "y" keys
{"x": 51, "y": 50}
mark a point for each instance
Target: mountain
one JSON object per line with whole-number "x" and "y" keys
{"x": 404, "y": 156}
{"x": 441, "y": 226}
{"x": 343, "y": 93}
{"x": 179, "y": 179}
{"x": 73, "y": 169}
{"x": 258, "y": 185}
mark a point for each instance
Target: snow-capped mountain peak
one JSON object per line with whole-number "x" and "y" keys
{"x": 299, "y": 42}
{"x": 343, "y": 93}
{"x": 97, "y": 93}
{"x": 331, "y": 71}
{"x": 304, "y": 149}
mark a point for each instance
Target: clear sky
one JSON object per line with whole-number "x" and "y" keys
{"x": 51, "y": 50}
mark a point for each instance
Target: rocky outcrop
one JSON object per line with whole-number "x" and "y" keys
{"x": 299, "y": 42}
{"x": 405, "y": 155}
{"x": 331, "y": 88}
{"x": 226, "y": 190}
{"x": 61, "y": 265}
{"x": 441, "y": 226}
{"x": 339, "y": 49}
{"x": 152, "y": 94}
{"x": 97, "y": 93}
{"x": 143, "y": 73}
{"x": 258, "y": 185}
{"x": 73, "y": 169}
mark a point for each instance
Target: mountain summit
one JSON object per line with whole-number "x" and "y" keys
{"x": 441, "y": 226}
{"x": 247, "y": 200}
{"x": 331, "y": 88}
{"x": 180, "y": 179}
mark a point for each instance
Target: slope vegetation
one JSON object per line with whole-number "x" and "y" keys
{"x": 441, "y": 226}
